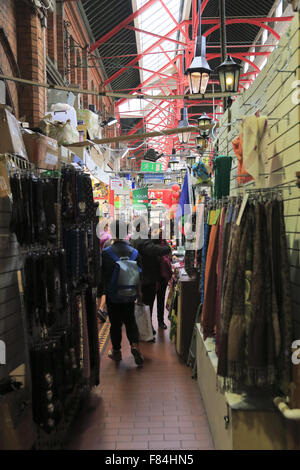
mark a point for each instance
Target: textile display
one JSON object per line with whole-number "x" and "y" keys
{"x": 237, "y": 145}
{"x": 255, "y": 133}
{"x": 54, "y": 218}
{"x": 247, "y": 293}
{"x": 222, "y": 167}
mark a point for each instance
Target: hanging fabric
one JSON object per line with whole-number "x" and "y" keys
{"x": 222, "y": 167}
{"x": 237, "y": 145}
{"x": 255, "y": 138}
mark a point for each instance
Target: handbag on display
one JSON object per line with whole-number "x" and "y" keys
{"x": 144, "y": 323}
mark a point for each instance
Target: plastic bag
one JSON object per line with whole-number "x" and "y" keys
{"x": 143, "y": 321}
{"x": 64, "y": 112}
{"x": 63, "y": 132}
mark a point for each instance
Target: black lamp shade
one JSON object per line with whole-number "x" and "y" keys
{"x": 229, "y": 75}
{"x": 185, "y": 136}
{"x": 191, "y": 159}
{"x": 200, "y": 141}
{"x": 204, "y": 120}
{"x": 174, "y": 163}
{"x": 199, "y": 70}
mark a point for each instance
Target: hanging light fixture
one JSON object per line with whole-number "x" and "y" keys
{"x": 203, "y": 122}
{"x": 179, "y": 179}
{"x": 183, "y": 172}
{"x": 229, "y": 75}
{"x": 167, "y": 180}
{"x": 174, "y": 162}
{"x": 229, "y": 71}
{"x": 200, "y": 141}
{"x": 185, "y": 136}
{"x": 199, "y": 70}
{"x": 191, "y": 159}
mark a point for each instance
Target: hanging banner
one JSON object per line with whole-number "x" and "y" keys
{"x": 140, "y": 198}
{"x": 150, "y": 166}
{"x": 158, "y": 196}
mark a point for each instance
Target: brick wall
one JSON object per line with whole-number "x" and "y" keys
{"x": 31, "y": 59}
{"x": 8, "y": 48}
{"x": 24, "y": 44}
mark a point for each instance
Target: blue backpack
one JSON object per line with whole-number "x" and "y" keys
{"x": 125, "y": 280}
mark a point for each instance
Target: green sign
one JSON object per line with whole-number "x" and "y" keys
{"x": 153, "y": 167}
{"x": 140, "y": 198}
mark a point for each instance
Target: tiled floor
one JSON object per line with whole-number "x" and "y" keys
{"x": 154, "y": 407}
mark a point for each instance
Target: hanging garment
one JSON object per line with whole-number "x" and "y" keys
{"x": 222, "y": 168}
{"x": 208, "y": 320}
{"x": 199, "y": 235}
{"x": 255, "y": 134}
{"x": 50, "y": 200}
{"x": 227, "y": 298}
{"x": 238, "y": 326}
{"x": 261, "y": 343}
{"x": 237, "y": 145}
{"x": 219, "y": 274}
{"x": 207, "y": 229}
{"x": 283, "y": 294}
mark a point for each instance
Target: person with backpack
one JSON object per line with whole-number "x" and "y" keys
{"x": 121, "y": 275}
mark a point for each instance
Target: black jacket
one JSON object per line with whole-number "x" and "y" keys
{"x": 150, "y": 253}
{"x": 122, "y": 249}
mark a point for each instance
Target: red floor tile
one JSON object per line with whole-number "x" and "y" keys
{"x": 156, "y": 407}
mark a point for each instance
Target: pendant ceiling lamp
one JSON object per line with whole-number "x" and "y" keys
{"x": 229, "y": 75}
{"x": 174, "y": 162}
{"x": 191, "y": 160}
{"x": 185, "y": 136}
{"x": 229, "y": 71}
{"x": 199, "y": 71}
{"x": 203, "y": 122}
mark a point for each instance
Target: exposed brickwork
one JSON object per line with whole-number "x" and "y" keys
{"x": 52, "y": 36}
{"x": 8, "y": 25}
{"x": 29, "y": 44}
{"x": 31, "y": 59}
{"x": 60, "y": 17}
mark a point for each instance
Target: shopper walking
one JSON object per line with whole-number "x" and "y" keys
{"x": 105, "y": 236}
{"x": 165, "y": 274}
{"x": 120, "y": 262}
{"x": 151, "y": 253}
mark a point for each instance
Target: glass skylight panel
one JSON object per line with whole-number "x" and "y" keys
{"x": 157, "y": 20}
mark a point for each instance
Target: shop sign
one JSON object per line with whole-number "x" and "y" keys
{"x": 160, "y": 195}
{"x": 151, "y": 166}
{"x": 116, "y": 184}
{"x": 154, "y": 178}
{"x": 140, "y": 198}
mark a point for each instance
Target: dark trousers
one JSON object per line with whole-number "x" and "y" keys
{"x": 150, "y": 291}
{"x": 161, "y": 292}
{"x": 119, "y": 314}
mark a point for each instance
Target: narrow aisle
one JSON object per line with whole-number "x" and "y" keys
{"x": 157, "y": 406}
